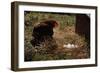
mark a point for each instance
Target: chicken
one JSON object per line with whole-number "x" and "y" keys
{"x": 43, "y": 31}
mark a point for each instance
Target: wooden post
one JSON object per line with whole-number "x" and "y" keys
{"x": 83, "y": 25}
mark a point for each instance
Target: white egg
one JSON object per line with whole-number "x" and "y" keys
{"x": 65, "y": 46}
{"x": 72, "y": 45}
{"x": 69, "y": 45}
{"x": 76, "y": 46}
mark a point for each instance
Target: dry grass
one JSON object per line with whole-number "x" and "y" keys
{"x": 52, "y": 49}
{"x": 68, "y": 35}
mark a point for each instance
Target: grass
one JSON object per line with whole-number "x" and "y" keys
{"x": 52, "y": 49}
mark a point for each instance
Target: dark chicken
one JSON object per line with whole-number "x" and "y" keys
{"x": 43, "y": 31}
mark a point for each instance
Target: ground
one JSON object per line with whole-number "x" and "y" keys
{"x": 53, "y": 49}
